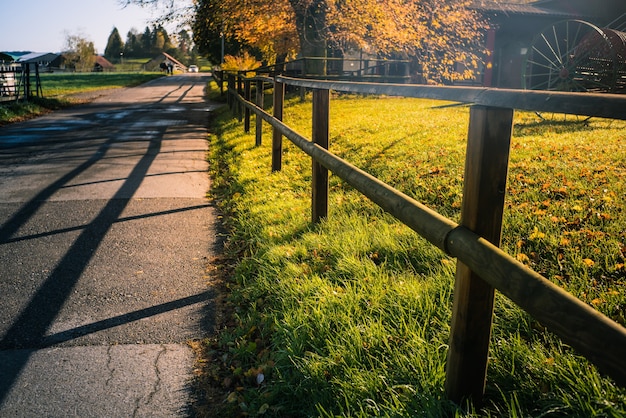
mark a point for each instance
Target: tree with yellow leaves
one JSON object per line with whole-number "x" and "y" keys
{"x": 443, "y": 37}
{"x": 226, "y": 27}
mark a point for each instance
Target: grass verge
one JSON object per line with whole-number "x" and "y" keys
{"x": 351, "y": 317}
{"x": 59, "y": 88}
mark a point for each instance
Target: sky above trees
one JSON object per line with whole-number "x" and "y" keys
{"x": 49, "y": 22}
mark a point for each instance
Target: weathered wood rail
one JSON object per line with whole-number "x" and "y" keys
{"x": 482, "y": 267}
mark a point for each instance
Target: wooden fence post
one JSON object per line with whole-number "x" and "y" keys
{"x": 229, "y": 89}
{"x": 484, "y": 189}
{"x": 277, "y": 137}
{"x": 259, "y": 120}
{"x": 240, "y": 93}
{"x": 246, "y": 95}
{"x": 319, "y": 183}
{"x": 27, "y": 92}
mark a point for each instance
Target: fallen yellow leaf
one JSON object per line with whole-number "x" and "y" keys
{"x": 589, "y": 262}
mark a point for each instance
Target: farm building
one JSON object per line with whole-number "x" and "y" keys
{"x": 155, "y": 63}
{"x": 60, "y": 63}
{"x": 103, "y": 64}
{"x": 514, "y": 28}
{"x": 8, "y": 57}
{"x": 42, "y": 59}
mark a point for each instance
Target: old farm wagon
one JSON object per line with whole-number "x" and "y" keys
{"x": 576, "y": 55}
{"x": 568, "y": 45}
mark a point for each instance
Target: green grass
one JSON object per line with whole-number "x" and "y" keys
{"x": 58, "y": 89}
{"x": 63, "y": 84}
{"x": 131, "y": 64}
{"x": 350, "y": 318}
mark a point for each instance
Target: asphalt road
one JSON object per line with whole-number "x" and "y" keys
{"x": 106, "y": 235}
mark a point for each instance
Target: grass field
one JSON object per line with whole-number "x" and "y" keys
{"x": 58, "y": 89}
{"x": 63, "y": 84}
{"x": 351, "y": 317}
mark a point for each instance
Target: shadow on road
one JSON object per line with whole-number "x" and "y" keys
{"x": 31, "y": 326}
{"x": 29, "y": 329}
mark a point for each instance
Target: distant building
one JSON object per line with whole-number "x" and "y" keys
{"x": 48, "y": 61}
{"x": 42, "y": 59}
{"x": 7, "y": 58}
{"x": 103, "y": 64}
{"x": 11, "y": 56}
{"x": 155, "y": 63}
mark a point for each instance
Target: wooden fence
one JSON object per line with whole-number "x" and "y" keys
{"x": 346, "y": 69}
{"x": 9, "y": 77}
{"x": 482, "y": 267}
{"x": 16, "y": 82}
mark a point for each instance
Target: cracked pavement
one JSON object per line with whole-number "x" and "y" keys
{"x": 106, "y": 236}
{"x": 115, "y": 381}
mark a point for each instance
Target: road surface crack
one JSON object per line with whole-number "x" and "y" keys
{"x": 110, "y": 367}
{"x": 156, "y": 387}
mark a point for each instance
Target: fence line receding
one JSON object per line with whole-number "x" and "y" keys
{"x": 482, "y": 267}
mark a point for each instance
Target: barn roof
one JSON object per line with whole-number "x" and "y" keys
{"x": 163, "y": 56}
{"x": 37, "y": 57}
{"x": 566, "y": 9}
{"x": 103, "y": 62}
{"x": 10, "y": 55}
{"x": 494, "y": 6}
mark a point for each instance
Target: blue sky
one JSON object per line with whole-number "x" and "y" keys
{"x": 42, "y": 25}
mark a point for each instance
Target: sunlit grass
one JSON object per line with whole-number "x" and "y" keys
{"x": 351, "y": 317}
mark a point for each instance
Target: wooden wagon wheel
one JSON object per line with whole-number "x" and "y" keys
{"x": 571, "y": 55}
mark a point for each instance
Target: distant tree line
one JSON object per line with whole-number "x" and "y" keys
{"x": 152, "y": 41}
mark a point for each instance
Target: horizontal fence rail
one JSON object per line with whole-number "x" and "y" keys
{"x": 482, "y": 266}
{"x": 588, "y": 104}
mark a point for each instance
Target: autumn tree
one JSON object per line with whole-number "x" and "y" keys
{"x": 79, "y": 52}
{"x": 435, "y": 34}
{"x": 115, "y": 46}
{"x": 224, "y": 27}
{"x": 213, "y": 35}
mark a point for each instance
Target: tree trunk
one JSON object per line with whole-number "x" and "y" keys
{"x": 311, "y": 24}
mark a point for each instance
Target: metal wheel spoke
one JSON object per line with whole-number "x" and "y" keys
{"x": 540, "y": 65}
{"x": 558, "y": 58}
{"x": 552, "y": 63}
{"x": 542, "y": 86}
{"x": 558, "y": 45}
